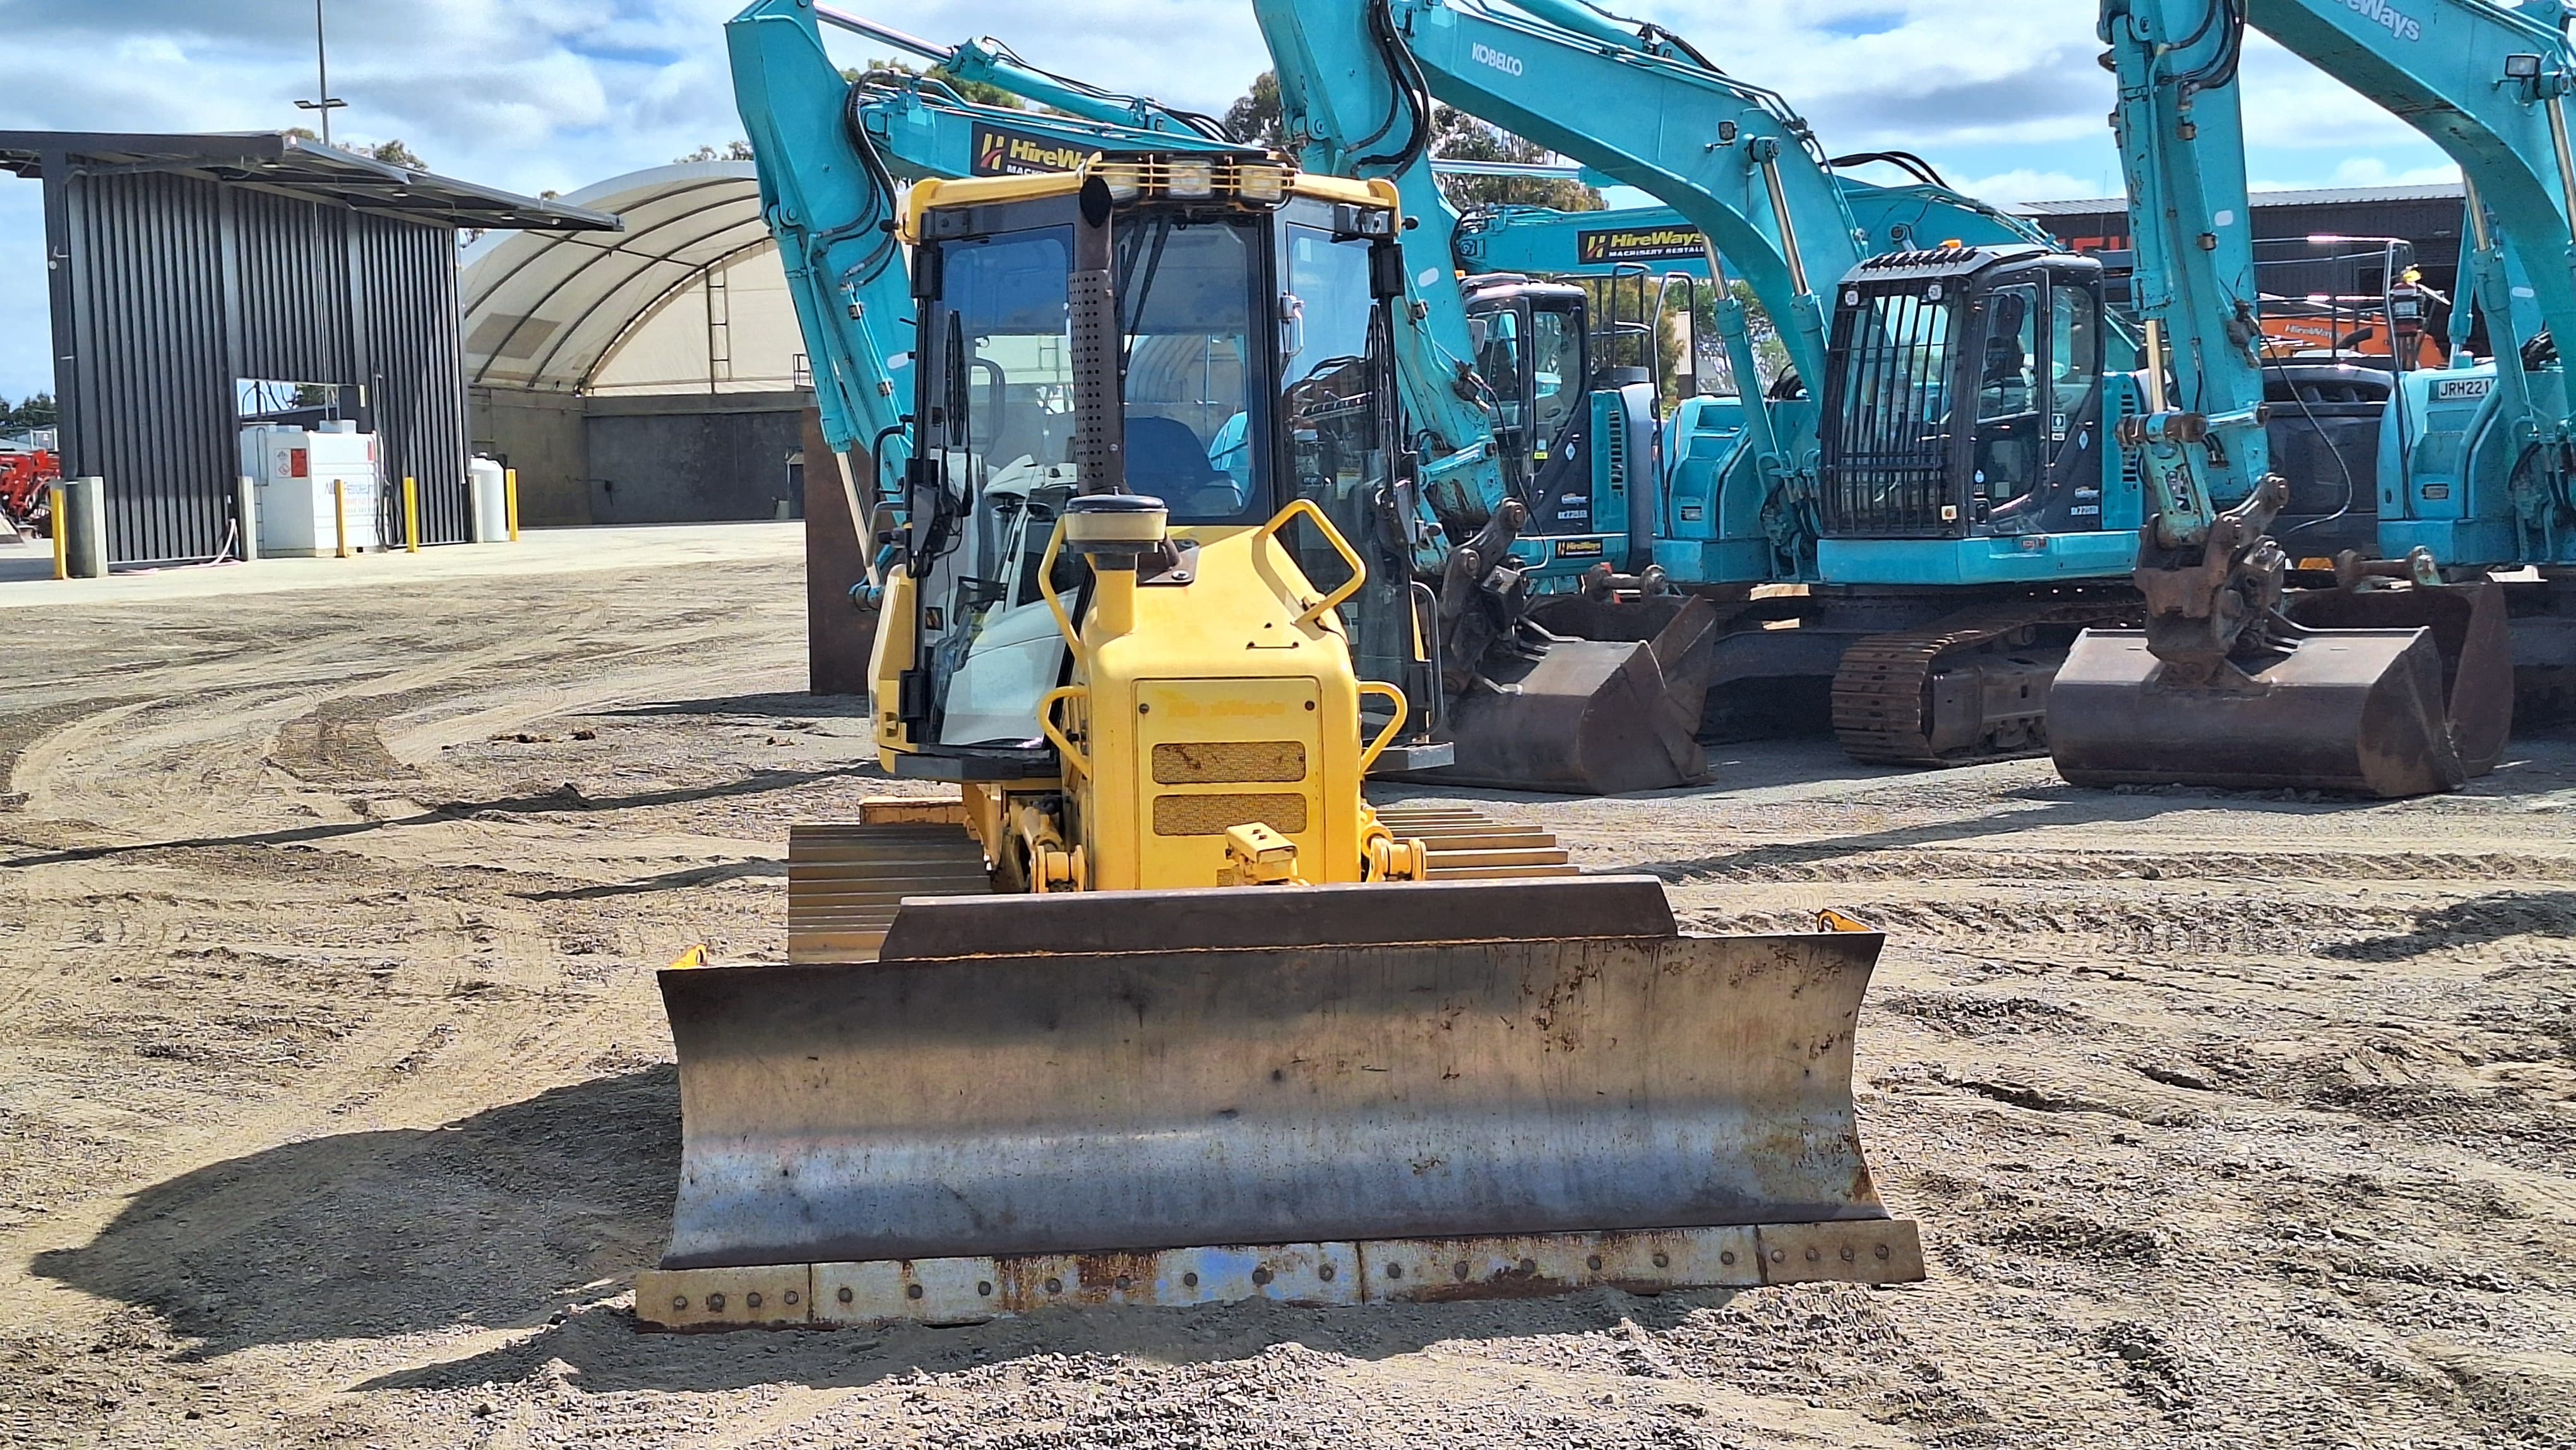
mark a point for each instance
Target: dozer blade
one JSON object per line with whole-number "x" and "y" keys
{"x": 2470, "y": 632}
{"x": 1331, "y": 1094}
{"x": 1590, "y": 717}
{"x": 2354, "y": 711}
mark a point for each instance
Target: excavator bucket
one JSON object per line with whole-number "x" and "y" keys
{"x": 1590, "y": 716}
{"x": 2356, "y": 711}
{"x": 2470, "y": 633}
{"x": 1319, "y": 1095}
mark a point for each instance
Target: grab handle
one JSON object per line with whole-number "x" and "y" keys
{"x": 1341, "y": 546}
{"x": 1055, "y": 602}
{"x": 1385, "y": 738}
{"x": 1055, "y": 735}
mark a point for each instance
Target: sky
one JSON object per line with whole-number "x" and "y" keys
{"x": 2004, "y": 96}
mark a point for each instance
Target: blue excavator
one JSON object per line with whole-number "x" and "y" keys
{"x": 2413, "y": 690}
{"x": 1932, "y": 482}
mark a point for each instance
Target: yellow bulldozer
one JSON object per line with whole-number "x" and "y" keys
{"x": 1156, "y": 1008}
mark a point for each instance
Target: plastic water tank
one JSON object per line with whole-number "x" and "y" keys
{"x": 490, "y": 489}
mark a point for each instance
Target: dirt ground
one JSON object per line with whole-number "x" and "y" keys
{"x": 336, "y": 1106}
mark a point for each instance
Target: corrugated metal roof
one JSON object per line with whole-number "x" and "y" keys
{"x": 545, "y": 310}
{"x": 2319, "y": 196}
{"x": 289, "y": 164}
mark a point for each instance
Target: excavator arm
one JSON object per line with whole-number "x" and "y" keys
{"x": 2407, "y": 689}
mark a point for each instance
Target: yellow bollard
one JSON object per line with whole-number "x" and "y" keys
{"x": 510, "y": 491}
{"x": 411, "y": 515}
{"x": 62, "y": 545}
{"x": 340, "y": 513}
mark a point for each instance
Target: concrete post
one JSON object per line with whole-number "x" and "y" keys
{"x": 84, "y": 526}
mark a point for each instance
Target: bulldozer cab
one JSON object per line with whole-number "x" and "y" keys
{"x": 1251, "y": 368}
{"x": 1964, "y": 396}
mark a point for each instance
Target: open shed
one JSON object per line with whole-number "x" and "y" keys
{"x": 188, "y": 272}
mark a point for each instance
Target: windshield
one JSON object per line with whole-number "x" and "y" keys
{"x": 1000, "y": 392}
{"x": 1185, "y": 306}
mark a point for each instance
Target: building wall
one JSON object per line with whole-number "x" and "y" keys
{"x": 173, "y": 288}
{"x": 732, "y": 330}
{"x": 2433, "y": 226}
{"x": 541, "y": 435}
{"x": 683, "y": 458}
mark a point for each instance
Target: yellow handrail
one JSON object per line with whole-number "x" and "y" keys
{"x": 1341, "y": 546}
{"x": 1378, "y": 746}
{"x": 1063, "y": 743}
{"x": 1054, "y": 602}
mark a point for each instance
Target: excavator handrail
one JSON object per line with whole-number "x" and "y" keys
{"x": 1332, "y": 536}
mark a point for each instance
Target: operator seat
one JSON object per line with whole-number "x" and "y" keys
{"x": 1167, "y": 460}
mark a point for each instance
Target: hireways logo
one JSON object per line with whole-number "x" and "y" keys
{"x": 1483, "y": 54}
{"x": 2388, "y": 17}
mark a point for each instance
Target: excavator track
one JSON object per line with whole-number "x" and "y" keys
{"x": 1884, "y": 708}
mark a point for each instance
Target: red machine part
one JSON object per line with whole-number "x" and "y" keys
{"x": 25, "y": 477}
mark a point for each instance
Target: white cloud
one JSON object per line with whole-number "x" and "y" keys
{"x": 2003, "y": 95}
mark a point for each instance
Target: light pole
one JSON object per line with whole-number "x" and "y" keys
{"x": 322, "y": 67}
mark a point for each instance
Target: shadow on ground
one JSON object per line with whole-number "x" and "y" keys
{"x": 499, "y": 1219}
{"x": 781, "y": 706}
{"x": 2469, "y": 923}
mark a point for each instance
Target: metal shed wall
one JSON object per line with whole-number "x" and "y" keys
{"x": 169, "y": 287}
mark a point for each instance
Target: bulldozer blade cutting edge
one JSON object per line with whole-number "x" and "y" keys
{"x": 2358, "y": 711}
{"x": 971, "y": 1290}
{"x": 1591, "y": 717}
{"x": 1386, "y": 1073}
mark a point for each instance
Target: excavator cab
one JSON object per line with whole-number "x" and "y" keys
{"x": 1533, "y": 349}
{"x": 1964, "y": 397}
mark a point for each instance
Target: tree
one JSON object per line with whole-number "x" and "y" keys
{"x": 1256, "y": 118}
{"x": 1458, "y": 136}
{"x": 982, "y": 93}
{"x": 395, "y": 153}
{"x": 37, "y": 411}
{"x": 733, "y": 151}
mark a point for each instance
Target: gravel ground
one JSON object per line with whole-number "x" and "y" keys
{"x": 336, "y": 1106}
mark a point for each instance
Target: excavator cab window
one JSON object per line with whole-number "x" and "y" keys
{"x": 2008, "y": 457}
{"x": 1556, "y": 368}
{"x": 1501, "y": 357}
{"x": 2010, "y": 343}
